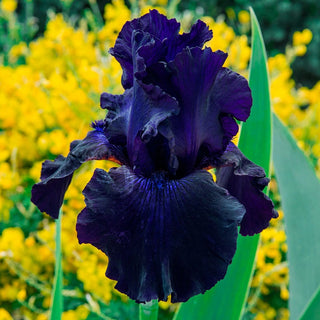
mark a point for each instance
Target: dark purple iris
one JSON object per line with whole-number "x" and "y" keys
{"x": 165, "y": 225}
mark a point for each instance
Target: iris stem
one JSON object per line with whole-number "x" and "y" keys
{"x": 149, "y": 310}
{"x": 57, "y": 298}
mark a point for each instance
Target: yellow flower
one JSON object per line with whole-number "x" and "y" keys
{"x": 18, "y": 50}
{"x": 21, "y": 295}
{"x": 244, "y": 17}
{"x": 300, "y": 50}
{"x": 303, "y": 37}
{"x": 81, "y": 313}
{"x": 307, "y": 36}
{"x": 8, "y": 5}
{"x": 42, "y": 317}
{"x": 4, "y": 314}
{"x": 284, "y": 293}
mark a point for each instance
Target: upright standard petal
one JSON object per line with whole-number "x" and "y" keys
{"x": 150, "y": 108}
{"x": 56, "y": 175}
{"x": 208, "y": 105}
{"x": 162, "y": 236}
{"x": 164, "y": 38}
{"x": 153, "y": 23}
{"x": 246, "y": 181}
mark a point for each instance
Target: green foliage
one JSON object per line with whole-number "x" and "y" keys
{"x": 14, "y": 29}
{"x": 57, "y": 298}
{"x": 69, "y": 7}
{"x": 256, "y": 131}
{"x": 312, "y": 309}
{"x": 299, "y": 189}
{"x": 23, "y": 214}
{"x": 30, "y": 19}
{"x": 149, "y": 310}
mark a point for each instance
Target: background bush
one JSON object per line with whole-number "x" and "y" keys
{"x": 279, "y": 20}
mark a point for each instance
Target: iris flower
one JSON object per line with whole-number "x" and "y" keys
{"x": 167, "y": 227}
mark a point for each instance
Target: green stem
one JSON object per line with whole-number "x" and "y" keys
{"x": 149, "y": 310}
{"x": 57, "y": 298}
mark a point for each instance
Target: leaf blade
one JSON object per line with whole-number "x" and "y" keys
{"x": 299, "y": 189}
{"x": 56, "y": 308}
{"x": 312, "y": 309}
{"x": 149, "y": 310}
{"x": 256, "y": 131}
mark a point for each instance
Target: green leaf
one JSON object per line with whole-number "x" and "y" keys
{"x": 255, "y": 139}
{"x": 57, "y": 299}
{"x": 299, "y": 189}
{"x": 227, "y": 299}
{"x": 312, "y": 310}
{"x": 148, "y": 310}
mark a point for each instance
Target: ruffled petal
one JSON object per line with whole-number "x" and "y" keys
{"x": 56, "y": 175}
{"x": 162, "y": 236}
{"x": 164, "y": 42}
{"x": 246, "y": 181}
{"x": 197, "y": 37}
{"x": 199, "y": 122}
{"x": 151, "y": 107}
{"x": 117, "y": 119}
{"x": 209, "y": 98}
{"x": 153, "y": 23}
{"x": 231, "y": 94}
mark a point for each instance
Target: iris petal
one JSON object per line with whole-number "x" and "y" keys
{"x": 231, "y": 94}
{"x": 210, "y": 97}
{"x": 202, "y": 123}
{"x": 162, "y": 236}
{"x": 151, "y": 107}
{"x": 246, "y": 181}
{"x": 56, "y": 175}
{"x": 197, "y": 37}
{"x": 117, "y": 119}
{"x": 153, "y": 23}
{"x": 164, "y": 34}
{"x": 199, "y": 122}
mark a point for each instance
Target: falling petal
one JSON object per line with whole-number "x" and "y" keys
{"x": 56, "y": 175}
{"x": 162, "y": 236}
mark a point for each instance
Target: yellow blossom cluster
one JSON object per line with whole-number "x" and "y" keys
{"x": 8, "y": 6}
{"x": 297, "y": 106}
{"x": 45, "y": 104}
{"x": 50, "y": 101}
{"x": 225, "y": 39}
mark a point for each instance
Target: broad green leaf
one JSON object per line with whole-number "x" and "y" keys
{"x": 300, "y": 197}
{"x": 57, "y": 299}
{"x": 148, "y": 310}
{"x": 312, "y": 311}
{"x": 227, "y": 299}
{"x": 255, "y": 138}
